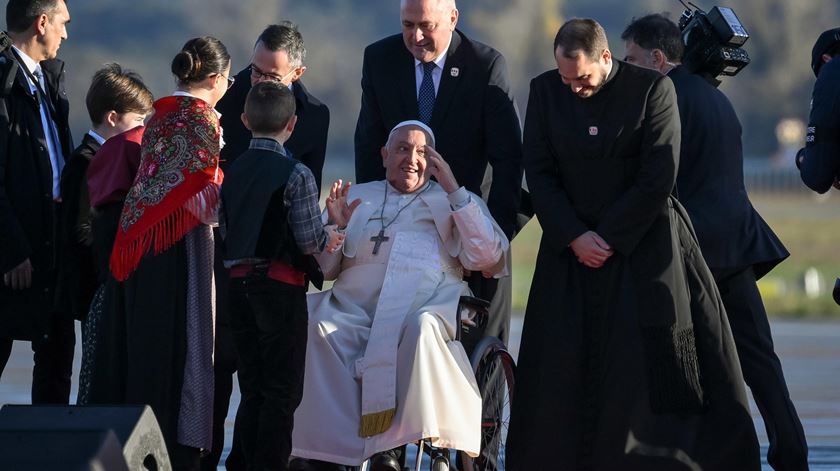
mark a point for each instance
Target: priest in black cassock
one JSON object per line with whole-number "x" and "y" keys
{"x": 627, "y": 361}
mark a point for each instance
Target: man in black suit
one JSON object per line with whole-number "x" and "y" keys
{"x": 459, "y": 87}
{"x": 34, "y": 144}
{"x": 819, "y": 160}
{"x": 278, "y": 57}
{"x": 737, "y": 244}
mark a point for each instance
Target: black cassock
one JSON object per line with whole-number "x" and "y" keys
{"x": 631, "y": 365}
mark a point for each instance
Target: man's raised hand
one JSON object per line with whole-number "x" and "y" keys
{"x": 438, "y": 168}
{"x": 338, "y": 210}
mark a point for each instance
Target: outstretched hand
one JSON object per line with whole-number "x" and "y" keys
{"x": 338, "y": 210}
{"x": 591, "y": 250}
{"x": 438, "y": 168}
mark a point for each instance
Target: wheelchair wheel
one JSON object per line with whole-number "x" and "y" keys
{"x": 494, "y": 372}
{"x": 440, "y": 461}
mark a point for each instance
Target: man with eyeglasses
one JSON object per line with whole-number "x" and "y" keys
{"x": 278, "y": 57}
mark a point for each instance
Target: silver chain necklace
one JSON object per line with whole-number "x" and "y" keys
{"x": 380, "y": 238}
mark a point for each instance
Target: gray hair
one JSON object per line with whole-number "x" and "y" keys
{"x": 285, "y": 37}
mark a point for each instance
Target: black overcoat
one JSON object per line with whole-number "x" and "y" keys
{"x": 28, "y": 212}
{"x": 595, "y": 389}
{"x": 78, "y": 278}
{"x": 308, "y": 143}
{"x": 710, "y": 181}
{"x": 820, "y": 166}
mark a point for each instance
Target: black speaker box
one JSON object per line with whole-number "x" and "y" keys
{"x": 79, "y": 433}
{"x": 76, "y": 450}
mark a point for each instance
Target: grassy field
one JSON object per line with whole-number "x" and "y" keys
{"x": 808, "y": 225}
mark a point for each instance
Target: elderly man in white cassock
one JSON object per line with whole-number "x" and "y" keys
{"x": 383, "y": 367}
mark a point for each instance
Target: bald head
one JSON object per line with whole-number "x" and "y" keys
{"x": 427, "y": 27}
{"x": 445, "y": 4}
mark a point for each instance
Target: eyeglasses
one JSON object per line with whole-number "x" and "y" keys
{"x": 230, "y": 80}
{"x": 258, "y": 74}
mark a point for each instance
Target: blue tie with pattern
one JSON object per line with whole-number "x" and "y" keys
{"x": 426, "y": 97}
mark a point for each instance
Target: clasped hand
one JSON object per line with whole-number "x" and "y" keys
{"x": 591, "y": 250}
{"x": 20, "y": 277}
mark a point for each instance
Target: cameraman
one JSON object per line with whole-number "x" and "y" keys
{"x": 819, "y": 160}
{"x": 737, "y": 244}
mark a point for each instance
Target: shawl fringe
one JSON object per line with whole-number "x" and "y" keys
{"x": 673, "y": 370}
{"x": 164, "y": 233}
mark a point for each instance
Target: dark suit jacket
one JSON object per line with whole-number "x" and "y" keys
{"x": 78, "y": 277}
{"x": 821, "y": 162}
{"x": 474, "y": 118}
{"x": 307, "y": 144}
{"x": 28, "y": 214}
{"x": 710, "y": 182}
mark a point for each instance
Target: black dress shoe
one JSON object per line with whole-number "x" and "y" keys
{"x": 385, "y": 461}
{"x": 302, "y": 464}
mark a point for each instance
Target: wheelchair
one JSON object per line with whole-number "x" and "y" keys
{"x": 494, "y": 371}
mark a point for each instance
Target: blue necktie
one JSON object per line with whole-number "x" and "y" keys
{"x": 426, "y": 97}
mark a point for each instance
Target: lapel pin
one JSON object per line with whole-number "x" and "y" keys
{"x": 454, "y": 71}
{"x": 593, "y": 130}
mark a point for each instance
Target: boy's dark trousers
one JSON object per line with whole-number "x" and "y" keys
{"x": 269, "y": 322}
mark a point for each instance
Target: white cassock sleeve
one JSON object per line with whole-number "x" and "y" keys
{"x": 482, "y": 246}
{"x": 330, "y": 263}
{"x": 199, "y": 207}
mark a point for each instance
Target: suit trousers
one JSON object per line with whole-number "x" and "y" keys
{"x": 269, "y": 323}
{"x": 761, "y": 367}
{"x": 53, "y": 357}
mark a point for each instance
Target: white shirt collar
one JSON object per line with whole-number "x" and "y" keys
{"x": 439, "y": 60}
{"x": 96, "y": 137}
{"x": 27, "y": 61}
{"x": 394, "y": 191}
{"x": 186, "y": 93}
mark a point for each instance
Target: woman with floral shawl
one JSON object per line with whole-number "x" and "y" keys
{"x": 164, "y": 253}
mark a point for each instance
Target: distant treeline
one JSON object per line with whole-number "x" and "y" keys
{"x": 144, "y": 35}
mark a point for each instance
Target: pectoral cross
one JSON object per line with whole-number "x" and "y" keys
{"x": 378, "y": 239}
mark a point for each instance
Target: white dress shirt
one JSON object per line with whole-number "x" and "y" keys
{"x": 49, "y": 127}
{"x": 436, "y": 72}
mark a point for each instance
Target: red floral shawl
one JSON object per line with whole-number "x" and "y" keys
{"x": 177, "y": 184}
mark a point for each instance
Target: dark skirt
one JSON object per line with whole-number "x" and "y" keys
{"x": 102, "y": 378}
{"x": 90, "y": 339}
{"x": 155, "y": 336}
